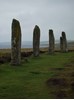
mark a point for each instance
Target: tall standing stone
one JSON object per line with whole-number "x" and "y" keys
{"x": 36, "y": 41}
{"x": 16, "y": 43}
{"x": 51, "y": 42}
{"x": 61, "y": 44}
{"x": 64, "y": 42}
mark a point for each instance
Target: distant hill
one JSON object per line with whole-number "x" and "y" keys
{"x": 28, "y": 44}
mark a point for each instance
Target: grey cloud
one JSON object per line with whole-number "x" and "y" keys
{"x": 55, "y": 14}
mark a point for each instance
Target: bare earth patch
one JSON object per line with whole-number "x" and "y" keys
{"x": 63, "y": 84}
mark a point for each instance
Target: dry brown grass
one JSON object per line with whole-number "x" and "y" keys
{"x": 30, "y": 49}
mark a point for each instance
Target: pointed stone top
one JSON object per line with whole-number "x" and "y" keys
{"x": 63, "y": 34}
{"x": 51, "y": 32}
{"x": 15, "y": 21}
{"x": 36, "y": 26}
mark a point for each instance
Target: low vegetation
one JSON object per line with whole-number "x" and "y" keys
{"x": 47, "y": 76}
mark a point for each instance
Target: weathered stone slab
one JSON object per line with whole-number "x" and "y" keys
{"x": 51, "y": 42}
{"x": 65, "y": 49}
{"x": 61, "y": 44}
{"x": 36, "y": 41}
{"x": 16, "y": 43}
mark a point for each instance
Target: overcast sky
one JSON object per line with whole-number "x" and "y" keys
{"x": 47, "y": 14}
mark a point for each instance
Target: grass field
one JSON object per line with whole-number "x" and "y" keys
{"x": 28, "y": 81}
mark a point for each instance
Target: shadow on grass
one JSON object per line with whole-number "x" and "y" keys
{"x": 62, "y": 85}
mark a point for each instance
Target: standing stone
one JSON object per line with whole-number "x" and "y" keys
{"x": 16, "y": 43}
{"x": 64, "y": 42}
{"x": 51, "y": 42}
{"x": 61, "y": 44}
{"x": 36, "y": 41}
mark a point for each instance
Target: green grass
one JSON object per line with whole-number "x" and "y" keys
{"x": 29, "y": 79}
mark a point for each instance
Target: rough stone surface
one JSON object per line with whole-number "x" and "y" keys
{"x": 51, "y": 42}
{"x": 36, "y": 41}
{"x": 16, "y": 43}
{"x": 61, "y": 44}
{"x": 64, "y": 42}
